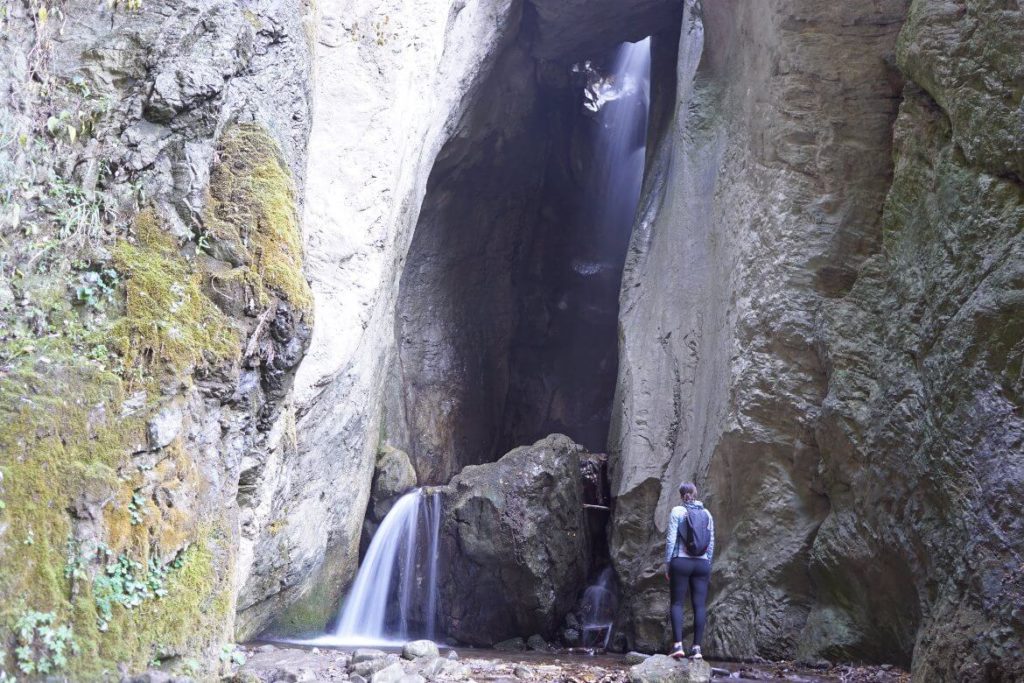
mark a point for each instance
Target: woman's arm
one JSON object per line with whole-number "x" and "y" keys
{"x": 711, "y": 541}
{"x": 670, "y": 536}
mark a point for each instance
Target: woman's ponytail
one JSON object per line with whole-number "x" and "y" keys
{"x": 688, "y": 491}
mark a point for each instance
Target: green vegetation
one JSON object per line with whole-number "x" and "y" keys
{"x": 110, "y": 307}
{"x": 43, "y": 646}
{"x": 251, "y": 209}
{"x": 167, "y": 317}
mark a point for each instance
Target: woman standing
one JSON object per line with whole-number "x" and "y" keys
{"x": 689, "y": 544}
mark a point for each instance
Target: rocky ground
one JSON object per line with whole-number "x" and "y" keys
{"x": 422, "y": 661}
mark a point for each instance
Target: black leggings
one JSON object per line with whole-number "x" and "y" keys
{"x": 695, "y": 574}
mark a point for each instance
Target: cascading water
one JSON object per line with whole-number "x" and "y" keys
{"x": 622, "y": 102}
{"x": 394, "y": 596}
{"x": 598, "y": 610}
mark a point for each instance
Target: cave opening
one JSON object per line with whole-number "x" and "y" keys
{"x": 507, "y": 314}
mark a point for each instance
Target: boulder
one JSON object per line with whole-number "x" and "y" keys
{"x": 420, "y": 648}
{"x": 635, "y": 658}
{"x": 365, "y": 654}
{"x": 515, "y": 543}
{"x": 389, "y": 674}
{"x": 664, "y": 669}
{"x": 393, "y": 476}
{"x": 537, "y": 642}
{"x": 511, "y": 645}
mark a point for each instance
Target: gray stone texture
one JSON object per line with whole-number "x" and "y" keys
{"x": 514, "y": 544}
{"x": 821, "y": 323}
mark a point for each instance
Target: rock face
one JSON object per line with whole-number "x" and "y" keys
{"x": 393, "y": 477}
{"x": 151, "y": 234}
{"x": 514, "y": 543}
{"x": 412, "y": 101}
{"x": 664, "y": 669}
{"x": 823, "y": 341}
{"x": 491, "y": 312}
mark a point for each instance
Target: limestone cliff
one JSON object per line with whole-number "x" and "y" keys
{"x": 153, "y": 310}
{"x": 828, "y": 345}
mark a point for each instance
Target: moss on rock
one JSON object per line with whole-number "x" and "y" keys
{"x": 167, "y": 316}
{"x": 71, "y": 425}
{"x": 251, "y": 208}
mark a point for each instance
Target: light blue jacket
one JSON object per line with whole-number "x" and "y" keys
{"x": 675, "y": 549}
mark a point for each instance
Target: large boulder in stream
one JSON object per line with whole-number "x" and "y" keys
{"x": 664, "y": 669}
{"x": 515, "y": 544}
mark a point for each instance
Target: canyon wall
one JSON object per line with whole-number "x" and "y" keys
{"x": 153, "y": 311}
{"x": 820, "y": 318}
{"x": 830, "y": 346}
{"x": 424, "y": 170}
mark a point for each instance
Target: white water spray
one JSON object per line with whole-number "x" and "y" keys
{"x": 622, "y": 101}
{"x": 394, "y": 596}
{"x": 598, "y": 610}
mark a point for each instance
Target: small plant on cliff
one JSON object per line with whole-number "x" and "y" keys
{"x": 128, "y": 583}
{"x": 43, "y": 646}
{"x": 232, "y": 656}
{"x": 137, "y": 508}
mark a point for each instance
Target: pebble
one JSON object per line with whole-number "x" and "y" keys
{"x": 419, "y": 648}
{"x": 523, "y": 672}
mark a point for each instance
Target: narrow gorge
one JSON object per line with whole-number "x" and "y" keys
{"x": 457, "y": 292}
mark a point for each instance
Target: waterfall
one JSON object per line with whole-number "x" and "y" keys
{"x": 394, "y": 596}
{"x": 622, "y": 101}
{"x": 598, "y": 610}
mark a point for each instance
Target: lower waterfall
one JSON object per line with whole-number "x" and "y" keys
{"x": 394, "y": 596}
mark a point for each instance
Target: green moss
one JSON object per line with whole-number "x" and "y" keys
{"x": 252, "y": 208}
{"x": 65, "y": 452}
{"x": 167, "y": 317}
{"x": 194, "y": 612}
{"x": 58, "y": 447}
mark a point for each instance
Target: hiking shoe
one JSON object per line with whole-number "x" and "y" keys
{"x": 678, "y": 652}
{"x": 696, "y": 652}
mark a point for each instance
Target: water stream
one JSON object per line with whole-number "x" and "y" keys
{"x": 598, "y": 610}
{"x": 622, "y": 101}
{"x": 394, "y": 596}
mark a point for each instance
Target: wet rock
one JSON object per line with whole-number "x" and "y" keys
{"x": 632, "y": 658}
{"x": 664, "y": 669}
{"x": 356, "y": 678}
{"x": 529, "y": 500}
{"x": 571, "y": 636}
{"x": 420, "y": 648}
{"x": 516, "y": 644}
{"x": 536, "y": 642}
{"x": 393, "y": 477}
{"x": 453, "y": 655}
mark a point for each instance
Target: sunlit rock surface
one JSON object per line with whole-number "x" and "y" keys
{"x": 168, "y": 185}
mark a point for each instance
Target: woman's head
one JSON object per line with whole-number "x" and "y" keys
{"x": 688, "y": 491}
